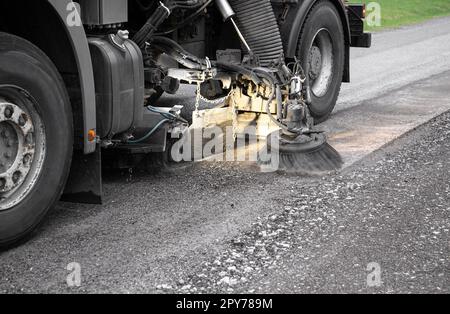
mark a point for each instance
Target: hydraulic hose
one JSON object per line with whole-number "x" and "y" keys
{"x": 190, "y": 61}
{"x": 162, "y": 12}
{"x": 173, "y": 49}
{"x": 188, "y": 20}
{"x": 150, "y": 27}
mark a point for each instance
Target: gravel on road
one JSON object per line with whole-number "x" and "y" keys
{"x": 221, "y": 227}
{"x": 392, "y": 209}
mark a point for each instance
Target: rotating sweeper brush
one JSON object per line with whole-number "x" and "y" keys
{"x": 303, "y": 154}
{"x": 298, "y": 147}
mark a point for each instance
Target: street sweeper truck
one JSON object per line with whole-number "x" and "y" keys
{"x": 82, "y": 83}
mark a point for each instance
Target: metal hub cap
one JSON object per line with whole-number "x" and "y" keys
{"x": 16, "y": 146}
{"x": 320, "y": 63}
{"x": 22, "y": 145}
{"x": 315, "y": 62}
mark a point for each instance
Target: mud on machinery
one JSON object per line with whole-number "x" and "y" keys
{"x": 71, "y": 92}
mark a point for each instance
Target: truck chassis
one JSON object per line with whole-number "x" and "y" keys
{"x": 82, "y": 79}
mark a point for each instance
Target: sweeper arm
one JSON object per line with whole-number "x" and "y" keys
{"x": 283, "y": 92}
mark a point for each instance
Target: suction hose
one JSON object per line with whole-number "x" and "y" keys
{"x": 257, "y": 22}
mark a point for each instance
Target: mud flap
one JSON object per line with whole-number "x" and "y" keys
{"x": 85, "y": 179}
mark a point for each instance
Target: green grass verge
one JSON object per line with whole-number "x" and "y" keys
{"x": 396, "y": 13}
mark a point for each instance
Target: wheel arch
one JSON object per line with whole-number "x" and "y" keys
{"x": 43, "y": 23}
{"x": 293, "y": 25}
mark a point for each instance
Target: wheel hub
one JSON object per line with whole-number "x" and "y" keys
{"x": 321, "y": 63}
{"x": 17, "y": 146}
{"x": 315, "y": 63}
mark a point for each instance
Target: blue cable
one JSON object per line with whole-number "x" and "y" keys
{"x": 165, "y": 114}
{"x": 168, "y": 118}
{"x": 150, "y": 133}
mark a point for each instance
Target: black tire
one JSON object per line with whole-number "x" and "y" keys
{"x": 25, "y": 70}
{"x": 323, "y": 21}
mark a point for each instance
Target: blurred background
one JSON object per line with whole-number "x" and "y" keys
{"x": 396, "y": 13}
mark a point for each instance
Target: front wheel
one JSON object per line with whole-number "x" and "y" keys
{"x": 36, "y": 136}
{"x": 322, "y": 52}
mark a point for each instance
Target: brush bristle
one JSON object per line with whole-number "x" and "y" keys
{"x": 322, "y": 160}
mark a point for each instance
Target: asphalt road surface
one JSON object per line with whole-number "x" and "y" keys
{"x": 380, "y": 225}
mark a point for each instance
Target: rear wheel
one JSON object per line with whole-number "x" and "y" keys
{"x": 36, "y": 137}
{"x": 322, "y": 52}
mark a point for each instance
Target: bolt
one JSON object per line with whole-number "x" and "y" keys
{"x": 16, "y": 176}
{"x": 29, "y": 138}
{"x": 9, "y": 112}
{"x": 26, "y": 159}
{"x": 23, "y": 119}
